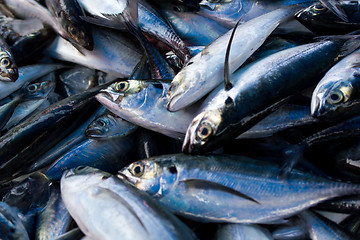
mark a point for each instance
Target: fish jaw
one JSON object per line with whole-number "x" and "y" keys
{"x": 9, "y": 75}
{"x": 109, "y": 99}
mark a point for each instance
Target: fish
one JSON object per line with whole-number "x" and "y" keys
{"x": 54, "y": 220}
{"x": 119, "y": 63}
{"x": 236, "y": 189}
{"x": 224, "y": 114}
{"x": 322, "y": 228}
{"x": 36, "y": 93}
{"x": 8, "y": 68}
{"x": 144, "y": 104}
{"x": 27, "y": 74}
{"x": 110, "y": 145}
{"x": 87, "y": 192}
{"x": 10, "y": 224}
{"x": 294, "y": 229}
{"x": 334, "y": 97}
{"x": 238, "y": 231}
{"x": 195, "y": 80}
{"x": 68, "y": 13}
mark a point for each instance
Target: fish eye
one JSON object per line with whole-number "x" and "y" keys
{"x": 319, "y": 7}
{"x": 137, "y": 169}
{"x": 72, "y": 30}
{"x": 335, "y": 97}
{"x": 5, "y": 62}
{"x": 204, "y": 131}
{"x": 121, "y": 86}
{"x": 32, "y": 88}
{"x": 173, "y": 86}
{"x": 101, "y": 123}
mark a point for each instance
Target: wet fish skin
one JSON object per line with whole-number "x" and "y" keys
{"x": 238, "y": 231}
{"x": 322, "y": 228}
{"x": 54, "y": 220}
{"x": 8, "y": 68}
{"x": 11, "y": 226}
{"x": 224, "y": 116}
{"x": 81, "y": 188}
{"x": 195, "y": 80}
{"x": 336, "y": 96}
{"x": 130, "y": 100}
{"x": 236, "y": 189}
{"x": 26, "y": 74}
{"x": 68, "y": 13}
{"x": 119, "y": 63}
{"x": 31, "y": 143}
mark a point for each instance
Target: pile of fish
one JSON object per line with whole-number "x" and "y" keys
{"x": 181, "y": 119}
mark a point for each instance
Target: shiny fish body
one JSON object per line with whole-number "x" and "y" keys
{"x": 105, "y": 207}
{"x": 26, "y": 74}
{"x": 263, "y": 85}
{"x": 54, "y": 220}
{"x": 28, "y": 9}
{"x": 119, "y": 63}
{"x": 205, "y": 70}
{"x": 230, "y": 189}
{"x": 242, "y": 232}
{"x": 144, "y": 104}
{"x": 68, "y": 13}
{"x": 337, "y": 95}
{"x": 321, "y": 228}
{"x": 11, "y": 227}
{"x": 8, "y": 68}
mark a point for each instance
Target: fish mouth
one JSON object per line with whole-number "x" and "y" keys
{"x": 124, "y": 177}
{"x": 68, "y": 173}
{"x": 10, "y": 76}
{"x": 106, "y": 94}
{"x": 172, "y": 103}
{"x": 94, "y": 132}
{"x": 189, "y": 145}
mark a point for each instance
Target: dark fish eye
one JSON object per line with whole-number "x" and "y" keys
{"x": 204, "y": 131}
{"x": 121, "y": 86}
{"x": 32, "y": 88}
{"x": 137, "y": 170}
{"x": 172, "y": 170}
{"x": 101, "y": 123}
{"x": 319, "y": 7}
{"x": 335, "y": 97}
{"x": 80, "y": 168}
{"x": 5, "y": 62}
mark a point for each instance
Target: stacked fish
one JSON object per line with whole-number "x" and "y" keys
{"x": 182, "y": 119}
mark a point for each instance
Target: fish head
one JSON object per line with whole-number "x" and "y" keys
{"x": 79, "y": 34}
{"x": 201, "y": 132}
{"x": 329, "y": 102}
{"x": 8, "y": 69}
{"x": 126, "y": 94}
{"x": 183, "y": 92}
{"x": 39, "y": 89}
{"x": 107, "y": 126}
{"x": 154, "y": 177}
{"x": 310, "y": 12}
{"x": 80, "y": 178}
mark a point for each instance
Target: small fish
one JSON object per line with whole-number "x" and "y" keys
{"x": 214, "y": 188}
{"x": 8, "y": 68}
{"x": 336, "y": 95}
{"x": 195, "y": 80}
{"x": 102, "y": 205}
{"x": 68, "y": 13}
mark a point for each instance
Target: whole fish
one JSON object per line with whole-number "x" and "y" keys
{"x": 257, "y": 90}
{"x": 8, "y": 68}
{"x": 102, "y": 205}
{"x": 195, "y": 80}
{"x": 68, "y": 13}
{"x": 230, "y": 188}
{"x": 119, "y": 63}
{"x": 336, "y": 95}
{"x": 144, "y": 104}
